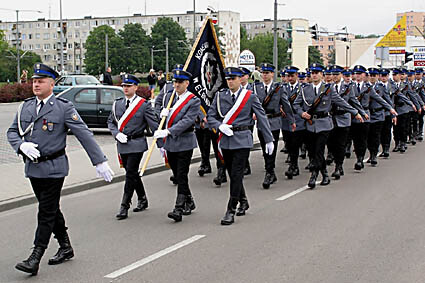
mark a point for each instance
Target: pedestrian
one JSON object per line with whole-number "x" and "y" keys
{"x": 256, "y": 75}
{"x": 180, "y": 139}
{"x": 130, "y": 117}
{"x": 161, "y": 80}
{"x": 24, "y": 76}
{"x": 39, "y": 133}
{"x": 231, "y": 114}
{"x": 152, "y": 82}
{"x": 107, "y": 77}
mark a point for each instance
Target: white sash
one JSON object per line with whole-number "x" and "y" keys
{"x": 235, "y": 106}
{"x": 181, "y": 99}
{"x": 128, "y": 110}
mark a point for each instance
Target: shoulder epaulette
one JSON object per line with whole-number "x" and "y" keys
{"x": 258, "y": 83}
{"x": 119, "y": 98}
{"x": 29, "y": 99}
{"x": 62, "y": 99}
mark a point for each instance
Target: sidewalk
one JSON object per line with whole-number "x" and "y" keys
{"x": 16, "y": 190}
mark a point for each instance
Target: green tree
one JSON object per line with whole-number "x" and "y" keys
{"x": 331, "y": 57}
{"x": 95, "y": 50}
{"x": 220, "y": 34}
{"x": 314, "y": 55}
{"x": 178, "y": 48}
{"x": 244, "y": 42}
{"x": 135, "y": 56}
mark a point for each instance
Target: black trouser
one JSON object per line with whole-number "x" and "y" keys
{"x": 235, "y": 160}
{"x": 180, "y": 163}
{"x": 133, "y": 182}
{"x": 421, "y": 122}
{"x": 316, "y": 143}
{"x": 413, "y": 124}
{"x": 359, "y": 133}
{"x": 49, "y": 218}
{"x": 214, "y": 138}
{"x": 386, "y": 131}
{"x": 269, "y": 160}
{"x": 337, "y": 143}
{"x": 294, "y": 142}
{"x": 400, "y": 130}
{"x": 205, "y": 137}
{"x": 374, "y": 136}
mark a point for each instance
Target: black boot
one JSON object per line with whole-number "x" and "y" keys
{"x": 313, "y": 178}
{"x": 269, "y": 179}
{"x": 221, "y": 176}
{"x": 229, "y": 217}
{"x": 385, "y": 151}
{"x": 329, "y": 159}
{"x": 373, "y": 159}
{"x": 290, "y": 172}
{"x": 30, "y": 265}
{"x": 173, "y": 179}
{"x": 189, "y": 205}
{"x": 403, "y": 147}
{"x": 396, "y": 148}
{"x": 247, "y": 170}
{"x": 359, "y": 164}
{"x": 65, "y": 251}
{"x": 336, "y": 174}
{"x": 309, "y": 166}
{"x": 204, "y": 169}
{"x": 125, "y": 205}
{"x": 325, "y": 178}
{"x": 296, "y": 170}
{"x": 142, "y": 204}
{"x": 177, "y": 212}
{"x": 243, "y": 206}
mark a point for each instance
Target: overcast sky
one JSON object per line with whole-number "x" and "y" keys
{"x": 360, "y": 16}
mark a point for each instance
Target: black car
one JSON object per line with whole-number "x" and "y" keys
{"x": 93, "y": 103}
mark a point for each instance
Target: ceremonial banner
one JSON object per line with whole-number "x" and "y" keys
{"x": 396, "y": 37}
{"x": 206, "y": 65}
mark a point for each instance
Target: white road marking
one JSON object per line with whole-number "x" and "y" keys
{"x": 291, "y": 194}
{"x": 153, "y": 257}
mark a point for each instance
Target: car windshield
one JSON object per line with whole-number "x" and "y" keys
{"x": 86, "y": 80}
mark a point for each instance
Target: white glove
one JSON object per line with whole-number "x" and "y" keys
{"x": 122, "y": 138}
{"x": 30, "y": 150}
{"x": 226, "y": 129}
{"x": 269, "y": 148}
{"x": 162, "y": 151}
{"x": 103, "y": 170}
{"x": 159, "y": 134}
{"x": 164, "y": 112}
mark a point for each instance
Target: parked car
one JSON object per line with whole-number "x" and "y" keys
{"x": 93, "y": 103}
{"x": 67, "y": 81}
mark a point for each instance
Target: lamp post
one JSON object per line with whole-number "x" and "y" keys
{"x": 275, "y": 51}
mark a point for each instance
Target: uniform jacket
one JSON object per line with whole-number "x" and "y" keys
{"x": 240, "y": 139}
{"x": 341, "y": 119}
{"x": 414, "y": 96}
{"x": 278, "y": 100}
{"x": 401, "y": 102}
{"x": 300, "y": 122}
{"x": 377, "y": 109}
{"x": 418, "y": 86}
{"x": 307, "y": 98}
{"x": 136, "y": 126}
{"x": 159, "y": 100}
{"x": 50, "y": 129}
{"x": 385, "y": 94}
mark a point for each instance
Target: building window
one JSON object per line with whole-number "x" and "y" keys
{"x": 47, "y": 57}
{"x": 37, "y": 36}
{"x": 154, "y": 20}
{"x": 23, "y": 36}
{"x": 187, "y": 18}
{"x": 69, "y": 34}
{"x": 47, "y": 46}
{"x": 30, "y": 47}
{"x": 46, "y": 36}
{"x": 77, "y": 34}
{"x": 29, "y": 25}
{"x": 187, "y": 30}
{"x": 70, "y": 45}
{"x": 84, "y": 34}
{"x": 77, "y": 24}
{"x": 55, "y": 35}
{"x": 321, "y": 46}
{"x": 24, "y": 47}
{"x": 37, "y": 46}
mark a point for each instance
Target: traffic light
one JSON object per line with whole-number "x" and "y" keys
{"x": 314, "y": 30}
{"x": 408, "y": 56}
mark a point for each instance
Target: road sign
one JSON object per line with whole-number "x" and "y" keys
{"x": 396, "y": 37}
{"x": 383, "y": 53}
{"x": 419, "y": 56}
{"x": 247, "y": 60}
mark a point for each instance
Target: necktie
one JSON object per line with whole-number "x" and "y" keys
{"x": 358, "y": 87}
{"x": 315, "y": 90}
{"x": 128, "y": 103}
{"x": 336, "y": 86}
{"x": 292, "y": 88}
{"x": 41, "y": 104}
{"x": 265, "y": 89}
{"x": 233, "y": 97}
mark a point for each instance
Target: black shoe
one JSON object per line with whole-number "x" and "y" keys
{"x": 325, "y": 178}
{"x": 247, "y": 170}
{"x": 142, "y": 204}
{"x": 229, "y": 218}
{"x": 336, "y": 174}
{"x": 313, "y": 178}
{"x": 403, "y": 147}
{"x": 373, "y": 160}
{"x": 269, "y": 179}
{"x": 221, "y": 176}
{"x": 189, "y": 205}
{"x": 125, "y": 205}
{"x": 290, "y": 172}
{"x": 204, "y": 169}
{"x": 396, "y": 148}
{"x": 413, "y": 141}
{"x": 243, "y": 207}
{"x": 296, "y": 170}
{"x": 420, "y": 137}
{"x": 303, "y": 153}
{"x": 65, "y": 251}
{"x": 329, "y": 159}
{"x": 177, "y": 213}
{"x": 174, "y": 180}
{"x": 31, "y": 264}
{"x": 368, "y": 161}
{"x": 359, "y": 164}
{"x": 309, "y": 166}
{"x": 341, "y": 170}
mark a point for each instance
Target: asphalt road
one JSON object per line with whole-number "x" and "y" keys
{"x": 367, "y": 227}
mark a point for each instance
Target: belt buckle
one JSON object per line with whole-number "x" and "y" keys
{"x": 35, "y": 161}
{"x": 315, "y": 116}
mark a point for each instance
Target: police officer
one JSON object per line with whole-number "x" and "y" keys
{"x": 419, "y": 85}
{"x": 231, "y": 113}
{"x": 180, "y": 139}
{"x": 314, "y": 104}
{"x": 414, "y": 117}
{"x": 275, "y": 102}
{"x": 129, "y": 118}
{"x": 248, "y": 86}
{"x": 38, "y": 133}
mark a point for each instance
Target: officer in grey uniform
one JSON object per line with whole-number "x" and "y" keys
{"x": 180, "y": 139}
{"x": 419, "y": 85}
{"x": 314, "y": 104}
{"x": 237, "y": 140}
{"x": 275, "y": 102}
{"x": 414, "y": 117}
{"x": 131, "y": 140}
{"x": 38, "y": 133}
{"x": 246, "y": 73}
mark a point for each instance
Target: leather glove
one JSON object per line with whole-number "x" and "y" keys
{"x": 226, "y": 129}
{"x": 121, "y": 138}
{"x": 162, "y": 151}
{"x": 30, "y": 150}
{"x": 159, "y": 134}
{"x": 103, "y": 170}
{"x": 269, "y": 148}
{"x": 164, "y": 112}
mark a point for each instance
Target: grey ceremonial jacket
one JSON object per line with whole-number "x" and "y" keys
{"x": 136, "y": 126}
{"x": 300, "y": 122}
{"x": 49, "y": 132}
{"x": 340, "y": 119}
{"x": 402, "y": 103}
{"x": 385, "y": 94}
{"x": 377, "y": 108}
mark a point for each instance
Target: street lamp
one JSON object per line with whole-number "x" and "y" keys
{"x": 18, "y": 40}
{"x": 275, "y": 52}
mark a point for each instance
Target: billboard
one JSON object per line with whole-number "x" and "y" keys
{"x": 419, "y": 56}
{"x": 396, "y": 37}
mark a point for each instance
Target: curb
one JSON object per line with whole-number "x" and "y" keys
{"x": 89, "y": 185}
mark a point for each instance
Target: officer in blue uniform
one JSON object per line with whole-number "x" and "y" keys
{"x": 237, "y": 140}
{"x": 38, "y": 133}
{"x": 131, "y": 141}
{"x": 180, "y": 139}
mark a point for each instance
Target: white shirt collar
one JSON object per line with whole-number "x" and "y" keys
{"x": 268, "y": 86}
{"x": 131, "y": 98}
{"x": 235, "y": 93}
{"x": 44, "y": 100}
{"x": 317, "y": 86}
{"x": 293, "y": 85}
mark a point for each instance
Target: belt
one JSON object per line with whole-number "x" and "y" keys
{"x": 241, "y": 128}
{"x": 376, "y": 109}
{"x": 340, "y": 112}
{"x": 136, "y": 136}
{"x": 48, "y": 157}
{"x": 365, "y": 108}
{"x": 318, "y": 115}
{"x": 274, "y": 115}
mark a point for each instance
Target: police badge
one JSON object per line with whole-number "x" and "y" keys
{"x": 74, "y": 117}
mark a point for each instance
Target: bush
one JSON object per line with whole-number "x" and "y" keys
{"x": 15, "y": 92}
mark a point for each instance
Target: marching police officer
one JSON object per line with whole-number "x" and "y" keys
{"x": 38, "y": 133}
{"x": 275, "y": 102}
{"x": 180, "y": 139}
{"x": 419, "y": 85}
{"x": 231, "y": 113}
{"x": 249, "y": 86}
{"x": 129, "y": 118}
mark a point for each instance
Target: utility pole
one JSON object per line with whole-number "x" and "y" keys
{"x": 194, "y": 21}
{"x": 275, "y": 62}
{"x": 61, "y": 27}
{"x": 106, "y": 51}
{"x": 81, "y": 57}
{"x": 166, "y": 56}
